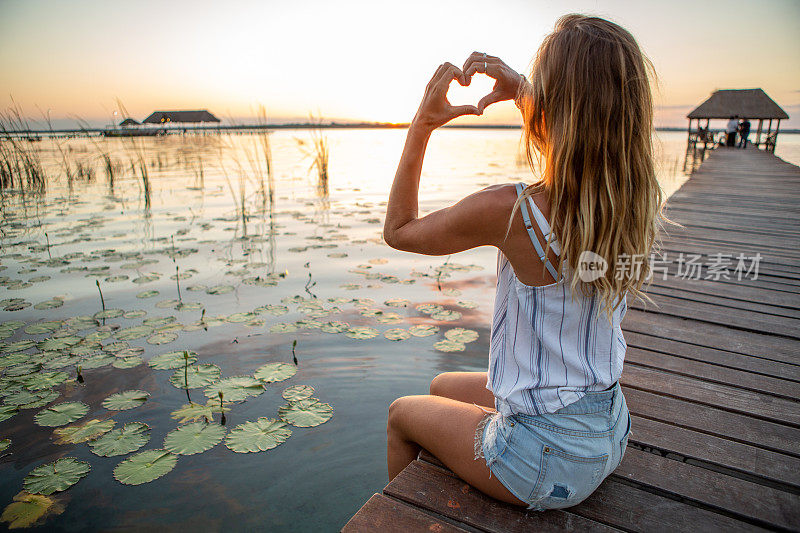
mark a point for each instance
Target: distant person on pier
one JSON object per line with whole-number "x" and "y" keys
{"x": 744, "y": 131}
{"x": 733, "y": 126}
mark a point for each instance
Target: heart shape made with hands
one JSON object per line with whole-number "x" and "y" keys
{"x": 480, "y": 85}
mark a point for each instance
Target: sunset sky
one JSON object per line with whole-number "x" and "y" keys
{"x": 359, "y": 60}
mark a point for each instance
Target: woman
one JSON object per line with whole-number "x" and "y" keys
{"x": 548, "y": 418}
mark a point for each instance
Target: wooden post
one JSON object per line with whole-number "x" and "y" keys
{"x": 758, "y": 134}
{"x": 777, "y": 129}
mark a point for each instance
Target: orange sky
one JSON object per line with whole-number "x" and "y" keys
{"x": 359, "y": 60}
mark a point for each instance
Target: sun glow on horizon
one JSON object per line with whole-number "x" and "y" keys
{"x": 356, "y": 60}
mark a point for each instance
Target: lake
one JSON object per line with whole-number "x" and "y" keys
{"x": 242, "y": 267}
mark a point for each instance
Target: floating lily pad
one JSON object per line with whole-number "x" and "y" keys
{"x": 108, "y": 313}
{"x": 28, "y": 510}
{"x": 56, "y": 476}
{"x": 306, "y": 413}
{"x": 271, "y": 309}
{"x": 78, "y": 433}
{"x": 7, "y": 411}
{"x": 261, "y": 435}
{"x": 61, "y": 414}
{"x": 361, "y": 332}
{"x": 467, "y": 304}
{"x": 170, "y": 360}
{"x": 127, "y": 362}
{"x": 121, "y": 441}
{"x": 25, "y": 399}
{"x": 4, "y": 444}
{"x": 272, "y": 372}
{"x": 429, "y": 309}
{"x": 197, "y": 411}
{"x": 195, "y": 437}
{"x": 99, "y": 360}
{"x": 19, "y": 346}
{"x": 147, "y": 294}
{"x": 220, "y": 289}
{"x": 397, "y": 302}
{"x": 446, "y": 315}
{"x": 297, "y": 392}
{"x": 461, "y": 335}
{"x": 396, "y": 334}
{"x": 41, "y": 328}
{"x": 133, "y": 333}
{"x": 122, "y": 401}
{"x": 49, "y": 304}
{"x": 335, "y": 327}
{"x": 446, "y": 345}
{"x": 198, "y": 376}
{"x": 236, "y": 388}
{"x": 58, "y": 343}
{"x": 162, "y": 338}
{"x": 283, "y": 327}
{"x": 423, "y": 330}
{"x": 145, "y": 467}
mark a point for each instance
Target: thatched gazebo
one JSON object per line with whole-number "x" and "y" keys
{"x": 746, "y": 103}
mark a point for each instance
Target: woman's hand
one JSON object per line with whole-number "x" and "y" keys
{"x": 508, "y": 82}
{"x": 435, "y": 110}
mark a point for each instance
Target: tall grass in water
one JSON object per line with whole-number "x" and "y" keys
{"x": 20, "y": 161}
{"x": 319, "y": 154}
{"x": 138, "y": 161}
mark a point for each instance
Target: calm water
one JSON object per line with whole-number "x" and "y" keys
{"x": 216, "y": 215}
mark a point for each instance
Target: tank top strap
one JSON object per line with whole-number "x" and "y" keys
{"x": 534, "y": 239}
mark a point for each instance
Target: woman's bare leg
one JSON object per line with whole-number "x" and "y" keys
{"x": 468, "y": 387}
{"x": 446, "y": 428}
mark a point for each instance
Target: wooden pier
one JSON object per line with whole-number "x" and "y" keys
{"x": 711, "y": 377}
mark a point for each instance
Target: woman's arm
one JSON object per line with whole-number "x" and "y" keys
{"x": 479, "y": 219}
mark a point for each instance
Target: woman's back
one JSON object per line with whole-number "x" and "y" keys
{"x": 548, "y": 348}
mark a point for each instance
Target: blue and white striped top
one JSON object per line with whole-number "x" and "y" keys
{"x": 546, "y": 349}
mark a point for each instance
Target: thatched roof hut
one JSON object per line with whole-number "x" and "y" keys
{"x": 161, "y": 117}
{"x": 750, "y": 103}
{"x": 742, "y": 103}
{"x": 128, "y": 122}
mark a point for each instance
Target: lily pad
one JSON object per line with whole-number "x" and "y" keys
{"x": 361, "y": 332}
{"x": 297, "y": 392}
{"x": 145, "y": 467}
{"x": 162, "y": 338}
{"x": 446, "y": 345}
{"x": 197, "y": 376}
{"x": 396, "y": 334}
{"x": 61, "y": 414}
{"x": 236, "y": 388}
{"x": 220, "y": 289}
{"x": 41, "y": 328}
{"x": 283, "y": 327}
{"x": 467, "y": 304}
{"x": 87, "y": 431}
{"x": 261, "y": 435}
{"x": 7, "y": 411}
{"x": 446, "y": 315}
{"x": 28, "y": 510}
{"x": 58, "y": 343}
{"x": 108, "y": 313}
{"x": 56, "y": 476}
{"x": 197, "y": 411}
{"x": 127, "y": 362}
{"x": 30, "y": 399}
{"x": 122, "y": 401}
{"x": 423, "y": 330}
{"x": 335, "y": 327}
{"x": 132, "y": 333}
{"x": 4, "y": 444}
{"x": 397, "y": 302}
{"x": 461, "y": 335}
{"x": 306, "y": 413}
{"x": 121, "y": 441}
{"x": 272, "y": 372}
{"x": 147, "y": 294}
{"x": 195, "y": 437}
{"x": 171, "y": 360}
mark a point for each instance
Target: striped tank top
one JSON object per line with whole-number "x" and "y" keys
{"x": 546, "y": 349}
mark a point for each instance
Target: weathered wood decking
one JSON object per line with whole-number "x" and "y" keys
{"x": 712, "y": 380}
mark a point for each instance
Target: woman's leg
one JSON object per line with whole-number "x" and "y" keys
{"x": 446, "y": 428}
{"x": 469, "y": 387}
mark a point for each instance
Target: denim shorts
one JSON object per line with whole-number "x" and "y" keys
{"x": 557, "y": 460}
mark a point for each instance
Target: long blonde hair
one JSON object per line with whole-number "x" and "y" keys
{"x": 588, "y": 121}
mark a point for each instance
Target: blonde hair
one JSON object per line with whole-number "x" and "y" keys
{"x": 588, "y": 120}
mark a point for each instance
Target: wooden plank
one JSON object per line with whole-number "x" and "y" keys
{"x": 712, "y": 336}
{"x": 633, "y": 509}
{"x": 441, "y": 492}
{"x": 718, "y": 358}
{"x": 714, "y": 421}
{"x": 388, "y": 515}
{"x": 733, "y": 399}
{"x": 701, "y": 447}
{"x": 751, "y": 502}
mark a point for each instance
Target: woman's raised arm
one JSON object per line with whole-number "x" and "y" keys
{"x": 453, "y": 229}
